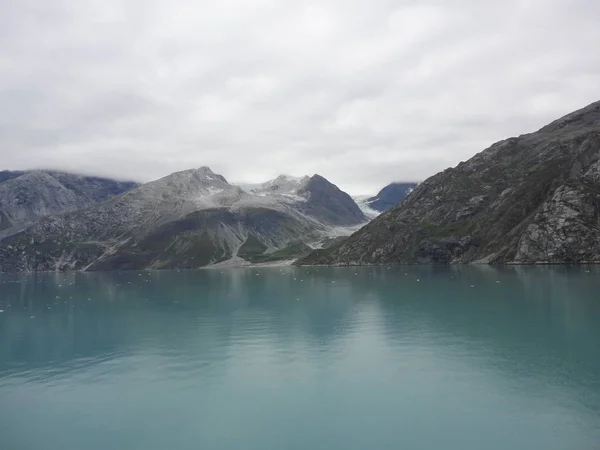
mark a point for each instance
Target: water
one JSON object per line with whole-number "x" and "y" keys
{"x": 283, "y": 358}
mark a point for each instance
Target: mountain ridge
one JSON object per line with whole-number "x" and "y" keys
{"x": 189, "y": 218}
{"x": 527, "y": 199}
{"x": 26, "y": 196}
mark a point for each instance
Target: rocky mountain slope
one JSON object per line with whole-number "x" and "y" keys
{"x": 313, "y": 196}
{"x": 187, "y": 219}
{"x": 528, "y": 199}
{"x": 390, "y": 196}
{"x": 26, "y": 196}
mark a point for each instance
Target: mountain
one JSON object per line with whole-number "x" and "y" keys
{"x": 282, "y": 185}
{"x": 327, "y": 203}
{"x": 390, "y": 196}
{"x": 315, "y": 196}
{"x": 528, "y": 199}
{"x": 26, "y": 196}
{"x": 187, "y": 219}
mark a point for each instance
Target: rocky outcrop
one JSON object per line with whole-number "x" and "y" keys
{"x": 529, "y": 199}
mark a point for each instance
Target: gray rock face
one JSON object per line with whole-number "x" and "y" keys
{"x": 25, "y": 197}
{"x": 327, "y": 203}
{"x": 390, "y": 196}
{"x": 314, "y": 196}
{"x": 188, "y": 219}
{"x": 530, "y": 199}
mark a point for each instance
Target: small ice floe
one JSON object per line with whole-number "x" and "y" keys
{"x": 472, "y": 286}
{"x": 418, "y": 279}
{"x": 1, "y": 311}
{"x": 32, "y": 317}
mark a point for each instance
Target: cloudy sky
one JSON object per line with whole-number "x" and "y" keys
{"x": 364, "y": 92}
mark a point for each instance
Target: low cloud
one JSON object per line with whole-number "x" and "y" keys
{"x": 362, "y": 92}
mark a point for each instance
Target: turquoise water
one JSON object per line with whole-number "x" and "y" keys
{"x": 307, "y": 359}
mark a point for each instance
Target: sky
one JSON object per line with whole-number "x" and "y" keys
{"x": 363, "y": 92}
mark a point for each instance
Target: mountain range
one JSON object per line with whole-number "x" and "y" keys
{"x": 528, "y": 199}
{"x": 26, "y": 196}
{"x": 534, "y": 198}
{"x": 187, "y": 219}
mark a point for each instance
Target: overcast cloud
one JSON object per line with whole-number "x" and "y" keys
{"x": 362, "y": 92}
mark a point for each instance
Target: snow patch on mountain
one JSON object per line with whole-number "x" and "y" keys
{"x": 286, "y": 186}
{"x": 363, "y": 203}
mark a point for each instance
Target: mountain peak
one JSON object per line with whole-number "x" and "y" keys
{"x": 328, "y": 202}
{"x": 203, "y": 173}
{"x": 204, "y": 170}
